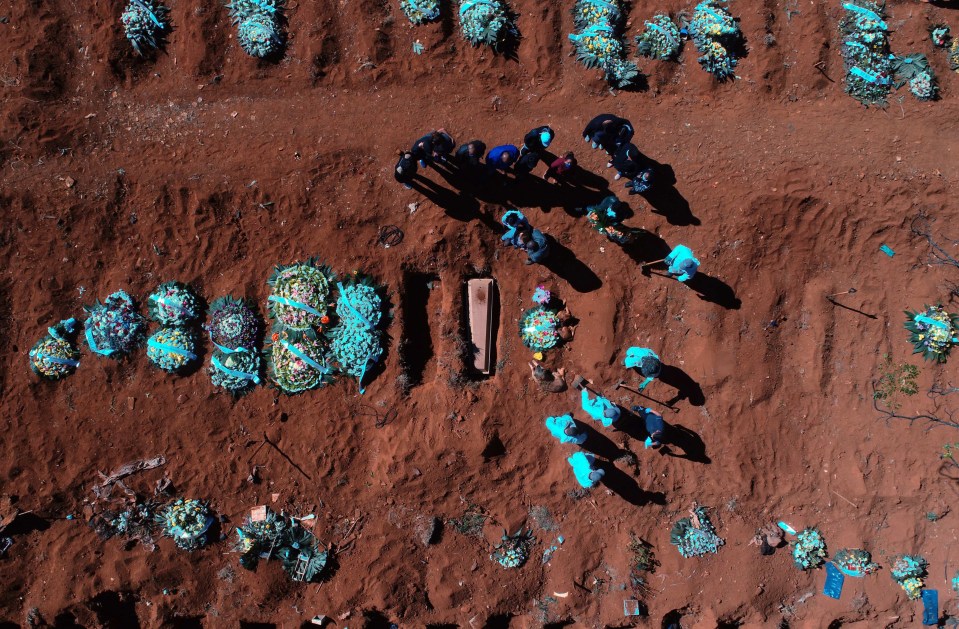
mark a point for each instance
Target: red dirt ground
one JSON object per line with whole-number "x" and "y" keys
{"x": 231, "y": 165}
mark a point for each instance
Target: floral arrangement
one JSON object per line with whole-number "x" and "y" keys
{"x": 237, "y": 372}
{"x": 144, "y": 23}
{"x": 597, "y": 43}
{"x": 356, "y": 342}
{"x": 355, "y": 346}
{"x": 542, "y": 296}
{"x": 421, "y": 11}
{"x": 866, "y": 52}
{"x": 539, "y": 329}
{"x": 716, "y": 35}
{"x": 939, "y": 34}
{"x": 294, "y": 366}
{"x": 484, "y": 22}
{"x": 54, "y": 356}
{"x": 915, "y": 70}
{"x": 232, "y": 324}
{"x": 589, "y": 12}
{"x": 114, "y": 328}
{"x": 661, "y": 39}
{"x": 855, "y": 562}
{"x": 954, "y": 55}
{"x": 135, "y": 521}
{"x": 258, "y": 28}
{"x": 186, "y": 521}
{"x": 932, "y": 332}
{"x": 274, "y": 537}
{"x": 255, "y": 539}
{"x": 695, "y": 536}
{"x": 172, "y": 349}
{"x": 359, "y": 300}
{"x": 173, "y": 303}
{"x": 809, "y": 549}
{"x": 300, "y": 294}
{"x": 513, "y": 550}
{"x": 909, "y": 571}
{"x": 608, "y": 224}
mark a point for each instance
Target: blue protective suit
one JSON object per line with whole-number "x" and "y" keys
{"x": 557, "y": 427}
{"x": 634, "y": 359}
{"x": 597, "y": 407}
{"x": 675, "y": 260}
{"x": 582, "y": 464}
{"x": 513, "y": 231}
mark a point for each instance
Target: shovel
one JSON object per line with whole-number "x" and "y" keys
{"x": 622, "y": 385}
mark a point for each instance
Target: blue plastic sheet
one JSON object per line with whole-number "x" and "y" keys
{"x": 930, "y": 607}
{"x": 834, "y": 581}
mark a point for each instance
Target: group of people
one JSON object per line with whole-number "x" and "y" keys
{"x": 599, "y": 408}
{"x": 607, "y": 131}
{"x": 613, "y": 135}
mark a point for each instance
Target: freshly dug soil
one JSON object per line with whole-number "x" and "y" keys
{"x": 209, "y": 167}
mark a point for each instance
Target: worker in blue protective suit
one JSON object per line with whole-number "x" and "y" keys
{"x": 655, "y": 426}
{"x": 599, "y": 408}
{"x": 565, "y": 429}
{"x": 682, "y": 264}
{"x": 586, "y": 475}
{"x": 515, "y": 222}
{"x": 646, "y": 362}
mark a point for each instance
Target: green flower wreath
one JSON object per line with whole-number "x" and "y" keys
{"x": 54, "y": 356}
{"x": 300, "y": 294}
{"x": 172, "y": 349}
{"x": 173, "y": 303}
{"x": 539, "y": 329}
{"x": 932, "y": 332}
{"x": 237, "y": 372}
{"x": 513, "y": 550}
{"x": 661, "y": 39}
{"x": 186, "y": 521}
{"x": 290, "y": 372}
{"x": 809, "y": 550}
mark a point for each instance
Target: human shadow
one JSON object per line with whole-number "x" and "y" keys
{"x": 686, "y": 387}
{"x": 663, "y": 196}
{"x": 598, "y": 443}
{"x": 567, "y": 266}
{"x": 715, "y": 290}
{"x": 692, "y": 445}
{"x": 534, "y": 191}
{"x": 646, "y": 246}
{"x": 457, "y": 205}
{"x": 626, "y": 487}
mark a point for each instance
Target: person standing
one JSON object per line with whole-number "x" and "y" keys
{"x": 565, "y": 429}
{"x": 655, "y": 426}
{"x": 599, "y": 408}
{"x": 538, "y": 140}
{"x": 682, "y": 264}
{"x": 470, "y": 155}
{"x": 501, "y": 158}
{"x": 583, "y": 469}
{"x": 405, "y": 169}
{"x": 645, "y": 361}
{"x": 435, "y": 145}
{"x": 536, "y": 245}
{"x": 526, "y": 163}
{"x": 515, "y": 222}
{"x": 626, "y": 161}
{"x": 561, "y": 169}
